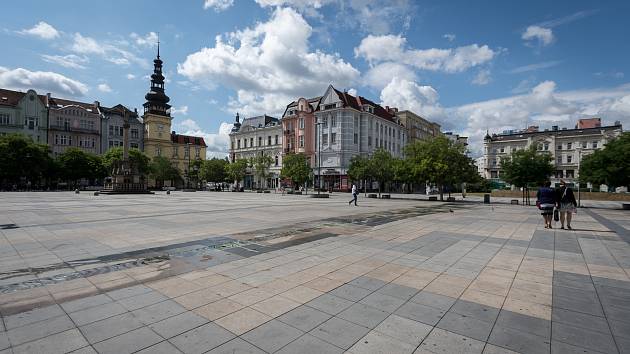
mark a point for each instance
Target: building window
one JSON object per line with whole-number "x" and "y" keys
{"x": 546, "y": 146}
{"x": 584, "y": 145}
{"x": 370, "y": 124}
{"x": 260, "y": 141}
{"x": 356, "y": 138}
{"x": 121, "y": 131}
{"x": 559, "y": 174}
{"x": 301, "y": 141}
{"x": 175, "y": 151}
{"x": 5, "y": 119}
{"x": 569, "y": 146}
{"x": 197, "y": 152}
{"x": 63, "y": 140}
{"x": 325, "y": 123}
{"x": 186, "y": 151}
{"x": 559, "y": 159}
{"x": 134, "y": 145}
{"x": 276, "y": 160}
{"x": 324, "y": 139}
{"x": 269, "y": 140}
{"x": 569, "y": 158}
{"x": 251, "y": 142}
{"x": 238, "y": 144}
{"x": 494, "y": 174}
{"x": 569, "y": 174}
{"x": 333, "y": 138}
{"x": 134, "y": 133}
{"x": 276, "y": 140}
{"x": 502, "y": 150}
{"x": 111, "y": 130}
{"x": 301, "y": 123}
{"x": 111, "y": 143}
{"x": 369, "y": 140}
{"x": 594, "y": 144}
{"x": 330, "y": 106}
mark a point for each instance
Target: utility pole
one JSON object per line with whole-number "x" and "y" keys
{"x": 319, "y": 157}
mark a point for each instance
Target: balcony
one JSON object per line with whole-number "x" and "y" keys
{"x": 67, "y": 128}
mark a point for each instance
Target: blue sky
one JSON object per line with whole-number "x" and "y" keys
{"x": 469, "y": 65}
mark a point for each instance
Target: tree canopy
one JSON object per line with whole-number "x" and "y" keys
{"x": 237, "y": 169}
{"x": 77, "y": 164}
{"x": 162, "y": 170}
{"x": 261, "y": 164}
{"x": 527, "y": 167}
{"x": 20, "y": 157}
{"x": 380, "y": 167}
{"x": 296, "y": 168}
{"x": 610, "y": 165}
{"x": 214, "y": 170}
{"x": 137, "y": 157}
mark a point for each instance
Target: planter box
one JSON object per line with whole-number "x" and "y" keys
{"x": 625, "y": 206}
{"x": 433, "y": 198}
{"x": 385, "y": 196}
{"x": 514, "y": 201}
{"x": 320, "y": 195}
{"x": 266, "y": 191}
{"x": 372, "y": 196}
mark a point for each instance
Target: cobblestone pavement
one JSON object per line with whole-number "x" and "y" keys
{"x": 254, "y": 273}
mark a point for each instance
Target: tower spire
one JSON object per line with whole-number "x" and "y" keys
{"x": 158, "y": 43}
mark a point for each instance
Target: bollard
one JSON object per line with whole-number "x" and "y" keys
{"x": 76, "y": 191}
{"x": 486, "y": 198}
{"x": 168, "y": 191}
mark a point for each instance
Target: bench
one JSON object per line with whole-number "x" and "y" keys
{"x": 450, "y": 199}
{"x": 625, "y": 206}
{"x": 385, "y": 196}
{"x": 433, "y": 198}
{"x": 514, "y": 201}
{"x": 371, "y": 195}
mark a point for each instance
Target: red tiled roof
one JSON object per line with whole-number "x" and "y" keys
{"x": 186, "y": 139}
{"x": 357, "y": 103}
{"x": 54, "y": 102}
{"x": 14, "y": 97}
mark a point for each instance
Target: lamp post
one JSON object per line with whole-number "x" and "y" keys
{"x": 579, "y": 150}
{"x": 319, "y": 157}
{"x": 188, "y": 173}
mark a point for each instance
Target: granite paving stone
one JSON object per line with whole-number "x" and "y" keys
{"x": 157, "y": 312}
{"x": 375, "y": 342}
{"x": 178, "y": 324}
{"x": 272, "y": 335}
{"x": 519, "y": 341}
{"x": 363, "y": 315}
{"x": 63, "y": 342}
{"x": 529, "y": 324}
{"x": 129, "y": 342}
{"x": 584, "y": 338}
{"x": 236, "y": 346}
{"x": 96, "y": 313}
{"x": 160, "y": 348}
{"x": 478, "y": 311}
{"x": 339, "y": 332}
{"x": 110, "y": 327}
{"x": 382, "y": 302}
{"x": 202, "y": 339}
{"x": 308, "y": 344}
{"x": 434, "y": 300}
{"x": 350, "y": 292}
{"x": 329, "y": 304}
{"x": 421, "y": 313}
{"x": 140, "y": 301}
{"x": 403, "y": 329}
{"x": 37, "y": 330}
{"x": 304, "y": 318}
{"x": 441, "y": 341}
{"x": 466, "y": 326}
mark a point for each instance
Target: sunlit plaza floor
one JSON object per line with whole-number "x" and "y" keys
{"x": 198, "y": 272}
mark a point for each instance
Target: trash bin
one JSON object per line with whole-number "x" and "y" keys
{"x": 486, "y": 198}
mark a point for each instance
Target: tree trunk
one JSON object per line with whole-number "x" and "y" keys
{"x": 441, "y": 188}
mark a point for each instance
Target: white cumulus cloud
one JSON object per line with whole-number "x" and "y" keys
{"x": 42, "y": 30}
{"x": 483, "y": 77}
{"x": 543, "y": 35}
{"x": 376, "y": 49}
{"x": 68, "y": 61}
{"x": 217, "y": 142}
{"x": 183, "y": 110}
{"x": 112, "y": 52}
{"x": 104, "y": 88}
{"x": 218, "y": 5}
{"x": 148, "y": 40}
{"x": 44, "y": 81}
{"x": 449, "y": 36}
{"x": 266, "y": 63}
{"x": 408, "y": 95}
{"x": 130, "y": 76}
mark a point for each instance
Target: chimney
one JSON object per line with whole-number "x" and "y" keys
{"x": 48, "y": 97}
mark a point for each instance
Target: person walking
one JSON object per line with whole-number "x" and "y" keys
{"x": 546, "y": 201}
{"x": 354, "y": 195}
{"x": 566, "y": 204}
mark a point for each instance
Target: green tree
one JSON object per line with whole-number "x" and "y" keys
{"x": 137, "y": 157}
{"x": 610, "y": 165}
{"x": 380, "y": 167}
{"x": 261, "y": 164}
{"x": 162, "y": 170}
{"x": 21, "y": 159}
{"x": 296, "y": 167}
{"x": 77, "y": 164}
{"x": 358, "y": 170}
{"x": 236, "y": 170}
{"x": 214, "y": 170}
{"x": 527, "y": 167}
{"x": 440, "y": 161}
{"x": 403, "y": 173}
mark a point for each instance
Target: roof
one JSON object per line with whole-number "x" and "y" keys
{"x": 117, "y": 109}
{"x": 14, "y": 97}
{"x": 358, "y": 102}
{"x": 525, "y": 134}
{"x": 60, "y": 103}
{"x": 187, "y": 139}
{"x": 260, "y": 121}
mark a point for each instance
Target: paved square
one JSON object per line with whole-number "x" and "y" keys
{"x": 265, "y": 273}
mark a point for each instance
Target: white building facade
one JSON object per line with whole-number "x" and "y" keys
{"x": 566, "y": 146}
{"x": 348, "y": 126}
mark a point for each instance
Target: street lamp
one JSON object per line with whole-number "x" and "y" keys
{"x": 579, "y": 151}
{"x": 319, "y": 156}
{"x": 188, "y": 174}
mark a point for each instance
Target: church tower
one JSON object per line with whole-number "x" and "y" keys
{"x": 157, "y": 114}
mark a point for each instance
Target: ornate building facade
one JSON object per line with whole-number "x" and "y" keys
{"x": 112, "y": 123}
{"x": 159, "y": 140}
{"x": 566, "y": 146}
{"x": 298, "y": 128}
{"x": 24, "y": 113}
{"x": 74, "y": 124}
{"x": 417, "y": 127}
{"x": 261, "y": 135}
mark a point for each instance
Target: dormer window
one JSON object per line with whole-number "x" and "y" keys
{"x": 330, "y": 106}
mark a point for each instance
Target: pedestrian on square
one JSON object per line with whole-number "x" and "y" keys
{"x": 546, "y": 201}
{"x": 354, "y": 195}
{"x": 566, "y": 204}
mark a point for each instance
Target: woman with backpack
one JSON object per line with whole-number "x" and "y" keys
{"x": 566, "y": 204}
